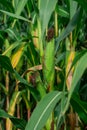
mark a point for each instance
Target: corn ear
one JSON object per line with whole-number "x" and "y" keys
{"x": 48, "y": 64}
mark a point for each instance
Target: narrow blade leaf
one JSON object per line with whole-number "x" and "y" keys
{"x": 5, "y": 63}
{"x": 80, "y": 107}
{"x": 83, "y": 3}
{"x": 15, "y": 16}
{"x": 19, "y": 123}
{"x": 43, "y": 111}
{"x": 70, "y": 27}
{"x": 46, "y": 9}
{"x": 20, "y": 6}
{"x": 79, "y": 70}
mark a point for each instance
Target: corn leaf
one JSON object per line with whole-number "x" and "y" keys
{"x": 11, "y": 33}
{"x": 69, "y": 73}
{"x": 19, "y": 123}
{"x": 43, "y": 111}
{"x": 12, "y": 46}
{"x": 73, "y": 8}
{"x": 79, "y": 70}
{"x": 11, "y": 108}
{"x": 62, "y": 11}
{"x": 5, "y": 63}
{"x": 79, "y": 106}
{"x": 46, "y": 9}
{"x": 83, "y": 3}
{"x": 13, "y": 102}
{"x": 6, "y": 4}
{"x": 20, "y": 6}
{"x": 34, "y": 92}
{"x": 16, "y": 56}
{"x": 15, "y": 16}
{"x": 70, "y": 27}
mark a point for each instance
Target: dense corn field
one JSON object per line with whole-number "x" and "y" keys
{"x": 43, "y": 64}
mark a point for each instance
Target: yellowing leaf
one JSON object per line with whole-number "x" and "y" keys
{"x": 70, "y": 74}
{"x": 16, "y": 57}
{"x": 12, "y": 109}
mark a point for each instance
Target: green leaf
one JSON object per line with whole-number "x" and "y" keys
{"x": 83, "y": 3}
{"x": 70, "y": 27}
{"x": 34, "y": 92}
{"x": 43, "y": 111}
{"x": 79, "y": 70}
{"x": 46, "y": 9}
{"x": 12, "y": 106}
{"x": 60, "y": 57}
{"x": 5, "y": 63}
{"x": 62, "y": 11}
{"x": 15, "y": 16}
{"x": 11, "y": 33}
{"x": 19, "y": 123}
{"x": 77, "y": 57}
{"x": 20, "y": 6}
{"x": 13, "y": 46}
{"x": 73, "y": 8}
{"x": 13, "y": 102}
{"x": 7, "y": 4}
{"x": 4, "y": 88}
{"x": 79, "y": 106}
{"x": 31, "y": 54}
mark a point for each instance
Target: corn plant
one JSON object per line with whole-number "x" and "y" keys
{"x": 43, "y": 65}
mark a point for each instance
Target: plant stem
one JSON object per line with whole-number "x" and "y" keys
{"x": 56, "y": 24}
{"x": 38, "y": 4}
{"x": 7, "y": 88}
{"x": 28, "y": 108}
